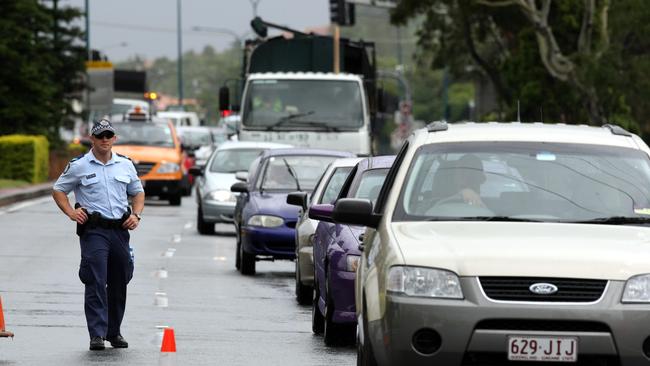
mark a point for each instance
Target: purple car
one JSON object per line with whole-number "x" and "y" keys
{"x": 336, "y": 254}
{"x": 264, "y": 222}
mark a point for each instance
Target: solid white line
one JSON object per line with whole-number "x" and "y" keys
{"x": 24, "y": 204}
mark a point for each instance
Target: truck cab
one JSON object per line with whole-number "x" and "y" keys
{"x": 307, "y": 109}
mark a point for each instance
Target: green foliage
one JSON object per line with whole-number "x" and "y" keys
{"x": 41, "y": 67}
{"x": 76, "y": 149}
{"x": 203, "y": 73}
{"x": 24, "y": 157}
{"x": 500, "y": 43}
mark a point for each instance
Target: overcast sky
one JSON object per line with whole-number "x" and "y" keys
{"x": 123, "y": 28}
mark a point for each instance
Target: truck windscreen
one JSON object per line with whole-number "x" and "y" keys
{"x": 303, "y": 105}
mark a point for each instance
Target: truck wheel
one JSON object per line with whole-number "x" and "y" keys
{"x": 175, "y": 200}
{"x": 304, "y": 293}
{"x": 317, "y": 320}
{"x": 204, "y": 227}
{"x": 247, "y": 262}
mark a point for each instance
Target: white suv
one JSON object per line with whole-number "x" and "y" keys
{"x": 507, "y": 243}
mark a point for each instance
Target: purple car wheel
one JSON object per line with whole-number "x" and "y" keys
{"x": 335, "y": 334}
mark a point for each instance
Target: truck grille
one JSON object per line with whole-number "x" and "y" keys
{"x": 143, "y": 168}
{"x": 518, "y": 289}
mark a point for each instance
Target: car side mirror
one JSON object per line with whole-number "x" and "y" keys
{"x": 239, "y": 187}
{"x": 196, "y": 171}
{"x": 354, "y": 211}
{"x": 321, "y": 212}
{"x": 298, "y": 199}
{"x": 241, "y": 176}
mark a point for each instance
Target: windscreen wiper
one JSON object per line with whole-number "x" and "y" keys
{"x": 615, "y": 220}
{"x": 292, "y": 173}
{"x": 482, "y": 218}
{"x": 288, "y": 118}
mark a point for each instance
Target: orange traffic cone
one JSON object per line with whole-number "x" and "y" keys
{"x": 3, "y": 332}
{"x": 168, "y": 349}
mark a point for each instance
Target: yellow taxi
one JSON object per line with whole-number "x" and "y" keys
{"x": 155, "y": 149}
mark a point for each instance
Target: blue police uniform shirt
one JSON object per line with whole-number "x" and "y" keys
{"x": 100, "y": 187}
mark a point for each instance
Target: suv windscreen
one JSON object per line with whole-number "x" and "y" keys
{"x": 143, "y": 134}
{"x": 233, "y": 160}
{"x": 525, "y": 180}
{"x": 303, "y": 104}
{"x": 292, "y": 172}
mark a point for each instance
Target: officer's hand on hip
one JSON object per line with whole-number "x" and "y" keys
{"x": 79, "y": 215}
{"x": 131, "y": 223}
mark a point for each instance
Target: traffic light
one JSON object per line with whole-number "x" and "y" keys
{"x": 341, "y": 12}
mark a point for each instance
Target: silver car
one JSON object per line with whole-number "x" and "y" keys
{"x": 216, "y": 204}
{"x": 506, "y": 244}
{"x": 326, "y": 191}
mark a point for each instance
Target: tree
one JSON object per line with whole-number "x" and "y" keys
{"x": 41, "y": 67}
{"x": 550, "y": 55}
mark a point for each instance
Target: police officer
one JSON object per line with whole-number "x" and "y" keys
{"x": 101, "y": 181}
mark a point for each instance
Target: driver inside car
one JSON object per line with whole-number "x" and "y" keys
{"x": 460, "y": 180}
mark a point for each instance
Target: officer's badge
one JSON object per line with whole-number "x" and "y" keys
{"x": 103, "y": 123}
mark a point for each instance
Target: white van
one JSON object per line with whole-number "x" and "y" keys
{"x": 180, "y": 118}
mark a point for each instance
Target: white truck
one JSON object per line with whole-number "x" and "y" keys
{"x": 306, "y": 109}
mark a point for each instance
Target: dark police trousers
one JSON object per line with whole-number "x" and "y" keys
{"x": 106, "y": 268}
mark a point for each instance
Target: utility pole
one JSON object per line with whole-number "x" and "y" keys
{"x": 88, "y": 52}
{"x": 180, "y": 53}
{"x": 254, "y": 4}
{"x": 337, "y": 48}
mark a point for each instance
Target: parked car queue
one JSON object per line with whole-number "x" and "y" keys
{"x": 486, "y": 244}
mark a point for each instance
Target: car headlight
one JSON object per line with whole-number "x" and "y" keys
{"x": 424, "y": 282}
{"x": 265, "y": 221}
{"x": 352, "y": 262}
{"x": 637, "y": 289}
{"x": 168, "y": 168}
{"x": 222, "y": 196}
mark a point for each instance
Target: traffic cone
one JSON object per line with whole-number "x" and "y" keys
{"x": 3, "y": 332}
{"x": 168, "y": 349}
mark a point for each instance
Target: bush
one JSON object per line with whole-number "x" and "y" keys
{"x": 24, "y": 157}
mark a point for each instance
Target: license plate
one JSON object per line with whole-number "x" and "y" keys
{"x": 548, "y": 349}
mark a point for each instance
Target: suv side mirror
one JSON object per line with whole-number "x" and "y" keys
{"x": 241, "y": 176}
{"x": 354, "y": 211}
{"x": 224, "y": 98}
{"x": 321, "y": 212}
{"x": 196, "y": 171}
{"x": 298, "y": 199}
{"x": 239, "y": 187}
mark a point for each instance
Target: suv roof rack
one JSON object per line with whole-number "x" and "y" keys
{"x": 617, "y": 130}
{"x": 437, "y": 126}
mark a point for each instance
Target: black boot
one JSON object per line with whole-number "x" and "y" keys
{"x": 96, "y": 343}
{"x": 118, "y": 342}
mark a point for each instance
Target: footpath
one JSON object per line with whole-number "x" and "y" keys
{"x": 13, "y": 195}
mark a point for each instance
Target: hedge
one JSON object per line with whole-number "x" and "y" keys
{"x": 24, "y": 157}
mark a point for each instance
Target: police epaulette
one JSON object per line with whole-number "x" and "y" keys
{"x": 123, "y": 156}
{"x": 77, "y": 158}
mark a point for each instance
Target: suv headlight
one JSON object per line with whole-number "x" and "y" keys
{"x": 265, "y": 221}
{"x": 637, "y": 289}
{"x": 424, "y": 282}
{"x": 168, "y": 168}
{"x": 352, "y": 262}
{"x": 221, "y": 196}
